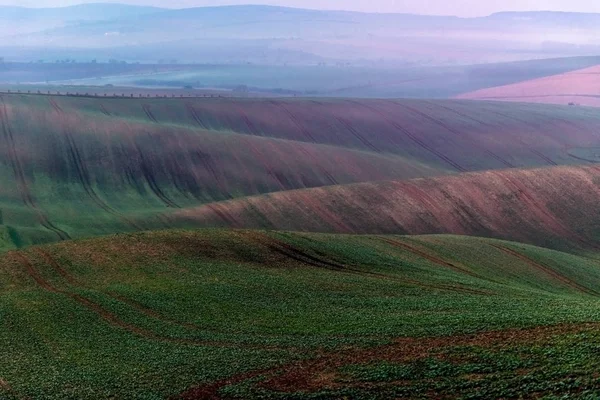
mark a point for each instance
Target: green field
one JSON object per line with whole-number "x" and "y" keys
{"x": 152, "y": 315}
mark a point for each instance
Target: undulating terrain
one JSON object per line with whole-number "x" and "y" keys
{"x": 78, "y": 167}
{"x": 240, "y": 248}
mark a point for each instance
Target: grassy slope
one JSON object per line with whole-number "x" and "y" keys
{"x": 149, "y": 315}
{"x": 552, "y": 207}
{"x": 580, "y": 87}
{"x": 74, "y": 167}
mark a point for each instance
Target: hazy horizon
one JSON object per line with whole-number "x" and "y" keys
{"x": 463, "y": 8}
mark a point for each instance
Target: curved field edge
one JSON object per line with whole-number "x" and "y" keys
{"x": 552, "y": 207}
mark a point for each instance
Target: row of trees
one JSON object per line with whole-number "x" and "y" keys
{"x": 120, "y": 95}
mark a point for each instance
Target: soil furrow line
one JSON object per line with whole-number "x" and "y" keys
{"x": 22, "y": 184}
{"x": 411, "y": 136}
{"x": 547, "y": 270}
{"x": 429, "y": 257}
{"x": 84, "y": 176}
{"x": 294, "y": 119}
{"x": 149, "y": 114}
{"x": 547, "y": 159}
{"x": 457, "y": 133}
{"x": 151, "y": 180}
{"x": 114, "y": 320}
{"x": 195, "y": 116}
{"x": 356, "y": 134}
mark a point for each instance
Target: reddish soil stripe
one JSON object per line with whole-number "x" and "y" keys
{"x": 22, "y": 184}
{"x": 307, "y": 375}
{"x": 547, "y": 271}
{"x": 429, "y": 257}
{"x": 56, "y": 266}
{"x": 545, "y": 216}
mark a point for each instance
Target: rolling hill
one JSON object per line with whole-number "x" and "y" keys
{"x": 553, "y": 207}
{"x": 163, "y": 247}
{"x": 243, "y": 314}
{"x": 76, "y": 167}
{"x": 579, "y": 87}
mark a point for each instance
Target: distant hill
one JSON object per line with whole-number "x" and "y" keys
{"x": 330, "y": 36}
{"x": 77, "y": 13}
{"x": 16, "y": 21}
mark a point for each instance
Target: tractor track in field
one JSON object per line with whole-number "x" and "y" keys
{"x": 19, "y": 174}
{"x": 49, "y": 260}
{"x": 148, "y": 111}
{"x": 456, "y": 133}
{"x": 539, "y": 266}
{"x": 537, "y": 153}
{"x": 294, "y": 119}
{"x": 114, "y": 320}
{"x": 104, "y": 110}
{"x": 151, "y": 180}
{"x": 410, "y": 135}
{"x": 252, "y": 129}
{"x": 289, "y": 251}
{"x": 320, "y": 371}
{"x": 83, "y": 174}
{"x": 429, "y": 257}
{"x": 357, "y": 134}
{"x": 195, "y": 116}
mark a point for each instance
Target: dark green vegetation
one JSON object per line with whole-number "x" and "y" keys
{"x": 152, "y": 315}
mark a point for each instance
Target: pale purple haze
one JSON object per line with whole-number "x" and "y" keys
{"x": 464, "y": 8}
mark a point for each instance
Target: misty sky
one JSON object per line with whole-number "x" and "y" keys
{"x": 438, "y": 7}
